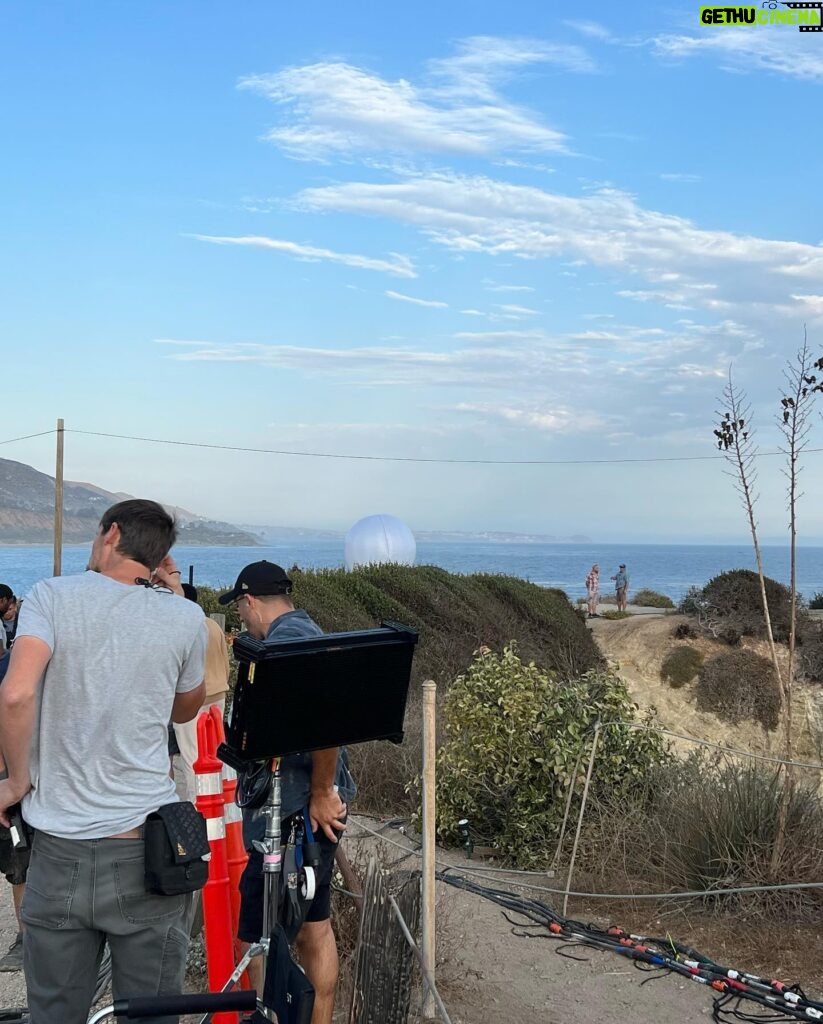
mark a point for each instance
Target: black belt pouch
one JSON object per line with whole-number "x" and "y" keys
{"x": 176, "y": 845}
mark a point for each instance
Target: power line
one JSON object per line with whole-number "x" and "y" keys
{"x": 26, "y": 437}
{"x": 409, "y": 458}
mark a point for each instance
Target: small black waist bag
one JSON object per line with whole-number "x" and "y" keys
{"x": 177, "y": 850}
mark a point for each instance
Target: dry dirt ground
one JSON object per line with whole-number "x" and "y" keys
{"x": 487, "y": 973}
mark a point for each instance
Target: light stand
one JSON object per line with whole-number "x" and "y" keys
{"x": 297, "y": 696}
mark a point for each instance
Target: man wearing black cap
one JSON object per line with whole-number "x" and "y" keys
{"x": 319, "y": 780}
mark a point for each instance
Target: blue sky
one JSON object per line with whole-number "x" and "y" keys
{"x": 454, "y": 231}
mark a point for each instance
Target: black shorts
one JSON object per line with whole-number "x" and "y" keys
{"x": 13, "y": 863}
{"x": 250, "y": 925}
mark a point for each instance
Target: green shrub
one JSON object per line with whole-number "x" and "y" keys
{"x": 207, "y": 599}
{"x": 740, "y": 685}
{"x": 817, "y": 601}
{"x": 733, "y": 601}
{"x": 514, "y": 735}
{"x": 651, "y": 599}
{"x": 613, "y": 613}
{"x": 810, "y": 637}
{"x": 455, "y": 615}
{"x": 680, "y": 666}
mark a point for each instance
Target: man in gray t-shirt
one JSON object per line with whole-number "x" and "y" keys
{"x": 101, "y": 662}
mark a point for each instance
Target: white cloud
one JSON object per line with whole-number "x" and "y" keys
{"x": 811, "y": 304}
{"x": 399, "y": 266}
{"x": 684, "y": 265}
{"x": 472, "y": 312}
{"x": 592, "y": 29}
{"x": 557, "y": 420}
{"x": 768, "y": 48}
{"x": 680, "y": 176}
{"x": 432, "y": 303}
{"x": 491, "y": 287}
{"x": 334, "y": 109}
{"x": 510, "y": 307}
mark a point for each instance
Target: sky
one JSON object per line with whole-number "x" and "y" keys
{"x": 523, "y": 242}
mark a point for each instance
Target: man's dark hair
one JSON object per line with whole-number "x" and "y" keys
{"x": 147, "y": 531}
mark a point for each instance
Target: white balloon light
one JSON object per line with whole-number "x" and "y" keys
{"x": 375, "y": 540}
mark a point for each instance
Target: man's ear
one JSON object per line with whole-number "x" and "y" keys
{"x": 112, "y": 536}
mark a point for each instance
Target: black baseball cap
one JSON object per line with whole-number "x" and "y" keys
{"x": 622, "y": 565}
{"x": 260, "y": 579}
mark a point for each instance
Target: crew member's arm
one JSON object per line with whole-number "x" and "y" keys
{"x": 191, "y": 685}
{"x": 18, "y": 707}
{"x": 186, "y": 705}
{"x": 326, "y": 809}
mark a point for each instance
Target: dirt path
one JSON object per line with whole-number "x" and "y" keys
{"x": 637, "y": 647}
{"x": 488, "y": 973}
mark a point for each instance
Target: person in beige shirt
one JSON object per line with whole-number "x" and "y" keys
{"x": 217, "y": 687}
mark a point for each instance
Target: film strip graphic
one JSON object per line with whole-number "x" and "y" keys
{"x": 817, "y": 6}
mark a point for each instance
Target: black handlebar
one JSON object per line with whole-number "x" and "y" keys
{"x": 193, "y": 1002}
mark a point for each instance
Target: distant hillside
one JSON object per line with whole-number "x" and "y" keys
{"x": 27, "y": 512}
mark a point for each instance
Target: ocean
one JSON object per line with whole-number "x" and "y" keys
{"x": 668, "y": 568}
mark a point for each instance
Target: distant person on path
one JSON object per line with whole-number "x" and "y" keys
{"x": 621, "y": 586}
{"x": 217, "y": 687}
{"x": 593, "y": 590}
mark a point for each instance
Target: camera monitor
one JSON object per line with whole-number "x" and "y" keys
{"x": 327, "y": 691}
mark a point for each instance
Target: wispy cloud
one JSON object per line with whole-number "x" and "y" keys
{"x": 528, "y": 363}
{"x": 592, "y": 29}
{"x": 680, "y": 176}
{"x": 338, "y": 110}
{"x": 790, "y": 53}
{"x": 555, "y": 420}
{"x": 431, "y": 303}
{"x": 509, "y": 307}
{"x": 678, "y": 263}
{"x": 398, "y": 265}
{"x": 491, "y": 287}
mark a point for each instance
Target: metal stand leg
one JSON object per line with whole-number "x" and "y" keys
{"x": 271, "y": 848}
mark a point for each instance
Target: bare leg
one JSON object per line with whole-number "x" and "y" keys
{"x": 255, "y": 970}
{"x": 318, "y": 955}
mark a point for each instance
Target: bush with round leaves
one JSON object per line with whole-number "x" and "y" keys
{"x": 516, "y": 738}
{"x": 740, "y": 685}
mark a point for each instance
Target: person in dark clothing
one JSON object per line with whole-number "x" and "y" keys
{"x": 319, "y": 781}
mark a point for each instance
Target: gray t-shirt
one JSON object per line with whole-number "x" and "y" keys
{"x": 99, "y": 756}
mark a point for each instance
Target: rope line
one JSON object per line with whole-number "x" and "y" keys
{"x": 716, "y": 746}
{"x": 695, "y": 894}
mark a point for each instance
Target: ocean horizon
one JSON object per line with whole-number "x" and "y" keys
{"x": 668, "y": 568}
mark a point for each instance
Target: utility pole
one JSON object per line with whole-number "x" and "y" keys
{"x": 58, "y": 502}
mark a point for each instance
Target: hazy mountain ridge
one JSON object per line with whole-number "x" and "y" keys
{"x": 27, "y": 511}
{"x": 273, "y": 534}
